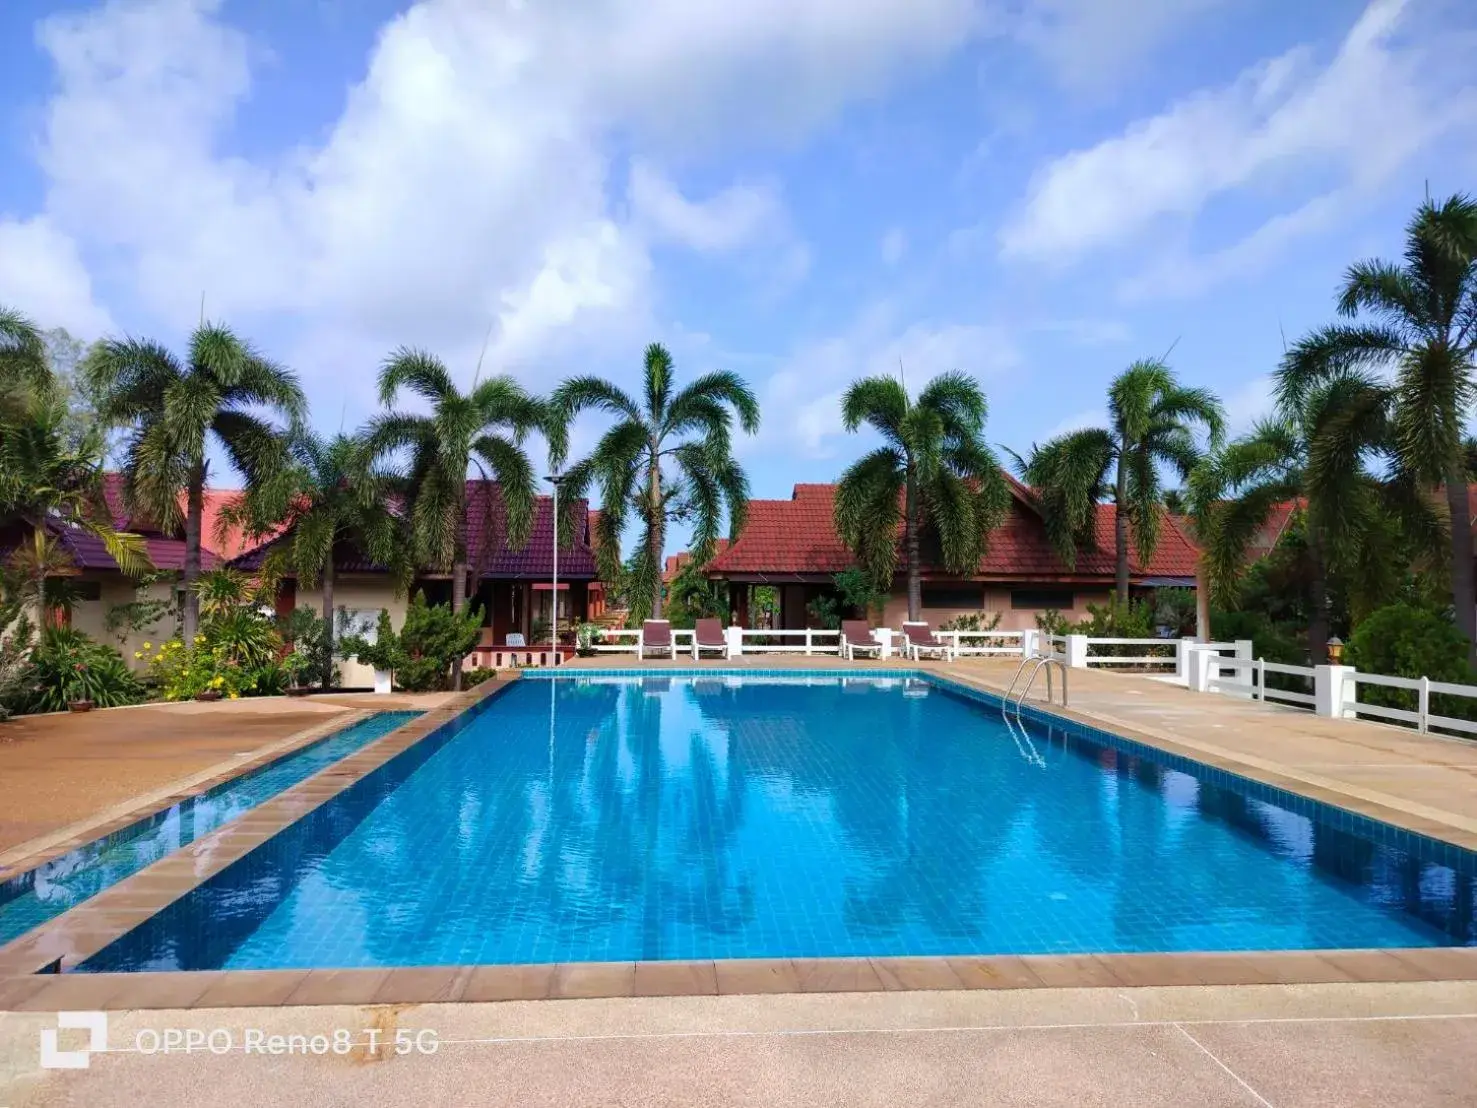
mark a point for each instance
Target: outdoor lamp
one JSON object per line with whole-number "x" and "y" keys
{"x": 1335, "y": 650}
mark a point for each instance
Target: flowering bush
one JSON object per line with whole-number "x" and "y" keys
{"x": 67, "y": 665}
{"x": 183, "y": 673}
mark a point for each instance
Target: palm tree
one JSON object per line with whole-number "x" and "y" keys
{"x": 1314, "y": 454}
{"x": 691, "y": 430}
{"x": 933, "y": 470}
{"x": 332, "y": 493}
{"x": 49, "y": 484}
{"x": 24, "y": 373}
{"x": 173, "y": 411}
{"x": 1420, "y": 325}
{"x": 483, "y": 428}
{"x": 1152, "y": 420}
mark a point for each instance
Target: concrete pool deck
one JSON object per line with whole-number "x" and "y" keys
{"x": 1424, "y": 783}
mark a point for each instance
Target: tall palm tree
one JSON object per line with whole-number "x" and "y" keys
{"x": 174, "y": 411}
{"x": 1152, "y": 423}
{"x": 1315, "y": 455}
{"x": 933, "y": 470}
{"x": 1419, "y": 324}
{"x": 332, "y": 493}
{"x": 484, "y": 429}
{"x": 668, "y": 457}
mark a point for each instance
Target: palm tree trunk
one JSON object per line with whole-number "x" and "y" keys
{"x": 194, "y": 521}
{"x": 912, "y": 550}
{"x": 1463, "y": 591}
{"x": 658, "y": 529}
{"x": 1120, "y": 528}
{"x": 328, "y": 621}
{"x": 1320, "y": 624}
{"x": 1202, "y": 603}
{"x": 458, "y": 602}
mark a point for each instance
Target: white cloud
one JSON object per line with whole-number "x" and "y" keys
{"x": 731, "y": 219}
{"x": 1378, "y": 101}
{"x": 467, "y": 182}
{"x": 894, "y": 245}
{"x": 42, "y": 275}
{"x": 803, "y": 396}
{"x": 1078, "y": 421}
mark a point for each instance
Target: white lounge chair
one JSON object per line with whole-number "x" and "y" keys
{"x": 858, "y": 636}
{"x": 656, "y": 636}
{"x": 919, "y": 639}
{"x": 708, "y": 635}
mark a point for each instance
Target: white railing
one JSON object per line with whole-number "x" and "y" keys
{"x": 1171, "y": 659}
{"x": 1288, "y": 696}
{"x": 1423, "y": 718}
{"x": 1053, "y": 646}
{"x": 809, "y": 641}
{"x": 632, "y": 647}
{"x": 965, "y": 644}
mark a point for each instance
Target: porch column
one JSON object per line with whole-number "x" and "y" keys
{"x": 738, "y": 603}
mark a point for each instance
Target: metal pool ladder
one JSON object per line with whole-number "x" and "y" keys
{"x": 1046, "y": 661}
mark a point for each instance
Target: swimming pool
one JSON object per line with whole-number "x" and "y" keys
{"x": 40, "y": 894}
{"x": 623, "y": 817}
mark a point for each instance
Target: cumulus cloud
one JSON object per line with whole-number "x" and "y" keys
{"x": 467, "y": 183}
{"x": 1362, "y": 115}
{"x": 42, "y": 275}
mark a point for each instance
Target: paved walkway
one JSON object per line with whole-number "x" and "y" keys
{"x": 57, "y": 770}
{"x": 1193, "y": 1047}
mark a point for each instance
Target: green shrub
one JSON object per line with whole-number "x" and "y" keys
{"x": 431, "y": 639}
{"x": 242, "y": 636}
{"x": 585, "y": 639}
{"x": 474, "y": 677}
{"x": 66, "y": 665}
{"x": 1401, "y": 640}
{"x": 384, "y": 653}
{"x": 973, "y": 621}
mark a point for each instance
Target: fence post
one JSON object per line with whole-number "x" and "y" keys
{"x": 1245, "y": 651}
{"x": 1030, "y": 643}
{"x": 735, "y": 635}
{"x": 1077, "y": 651}
{"x": 1423, "y": 709}
{"x": 1202, "y": 667}
{"x": 807, "y": 642}
{"x": 1261, "y": 679}
{"x": 1334, "y": 691}
{"x": 1182, "y": 661}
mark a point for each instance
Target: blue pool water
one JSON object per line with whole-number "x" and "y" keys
{"x": 38, "y": 895}
{"x": 723, "y": 817}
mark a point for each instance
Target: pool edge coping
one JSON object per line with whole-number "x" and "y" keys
{"x": 207, "y": 989}
{"x": 83, "y": 930}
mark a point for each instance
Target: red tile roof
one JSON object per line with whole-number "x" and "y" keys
{"x": 675, "y": 563}
{"x": 797, "y": 537}
{"x": 231, "y": 544}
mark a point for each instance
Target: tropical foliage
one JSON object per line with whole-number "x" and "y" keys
{"x": 1152, "y": 422}
{"x": 668, "y": 458}
{"x": 933, "y": 472}
{"x": 173, "y": 411}
{"x": 67, "y": 666}
{"x": 1410, "y": 346}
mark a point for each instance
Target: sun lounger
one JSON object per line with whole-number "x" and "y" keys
{"x": 856, "y": 635}
{"x": 709, "y": 635}
{"x": 919, "y": 639}
{"x": 656, "y": 637}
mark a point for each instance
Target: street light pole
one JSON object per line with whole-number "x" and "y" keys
{"x": 555, "y": 479}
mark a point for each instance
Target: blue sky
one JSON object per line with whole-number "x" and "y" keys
{"x": 1036, "y": 192}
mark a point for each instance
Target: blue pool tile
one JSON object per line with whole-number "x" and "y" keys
{"x": 716, "y": 814}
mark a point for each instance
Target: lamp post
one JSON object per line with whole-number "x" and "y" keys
{"x": 555, "y": 479}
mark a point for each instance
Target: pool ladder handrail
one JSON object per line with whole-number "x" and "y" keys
{"x": 1045, "y": 661}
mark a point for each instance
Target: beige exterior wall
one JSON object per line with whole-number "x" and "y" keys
{"x": 366, "y": 593}
{"x": 90, "y": 616}
{"x": 996, "y": 598}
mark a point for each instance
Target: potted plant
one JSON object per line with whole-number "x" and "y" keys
{"x": 384, "y": 652}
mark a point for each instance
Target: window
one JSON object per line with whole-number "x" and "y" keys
{"x": 86, "y": 590}
{"x": 359, "y": 621}
{"x": 963, "y": 595}
{"x": 1040, "y": 599}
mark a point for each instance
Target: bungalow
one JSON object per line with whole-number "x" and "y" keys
{"x": 99, "y": 593}
{"x": 792, "y": 545}
{"x": 515, "y": 588}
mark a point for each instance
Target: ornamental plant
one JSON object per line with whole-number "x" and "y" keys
{"x": 67, "y": 665}
{"x": 384, "y": 653}
{"x": 432, "y": 638}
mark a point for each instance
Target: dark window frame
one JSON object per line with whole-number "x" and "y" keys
{"x": 964, "y": 595}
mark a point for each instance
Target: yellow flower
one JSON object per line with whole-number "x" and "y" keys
{"x": 138, "y": 653}
{"x": 234, "y": 696}
{"x": 148, "y": 646}
{"x": 199, "y": 638}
